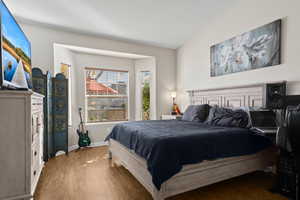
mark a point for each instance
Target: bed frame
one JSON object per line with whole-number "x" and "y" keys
{"x": 208, "y": 172}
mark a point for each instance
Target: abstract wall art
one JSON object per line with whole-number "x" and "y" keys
{"x": 252, "y": 50}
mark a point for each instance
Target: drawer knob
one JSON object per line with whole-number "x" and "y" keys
{"x": 34, "y": 173}
{"x": 35, "y": 153}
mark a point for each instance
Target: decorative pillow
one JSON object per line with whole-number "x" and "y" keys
{"x": 197, "y": 113}
{"x": 228, "y": 117}
{"x": 247, "y": 110}
{"x": 212, "y": 110}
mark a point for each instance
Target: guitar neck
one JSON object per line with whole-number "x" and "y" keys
{"x": 81, "y": 122}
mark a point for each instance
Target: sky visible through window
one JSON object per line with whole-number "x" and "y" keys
{"x": 112, "y": 77}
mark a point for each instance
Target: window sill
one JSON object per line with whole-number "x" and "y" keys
{"x": 104, "y": 123}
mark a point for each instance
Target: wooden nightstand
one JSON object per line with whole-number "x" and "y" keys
{"x": 170, "y": 117}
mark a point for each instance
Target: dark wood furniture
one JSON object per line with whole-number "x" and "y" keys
{"x": 60, "y": 113}
{"x": 42, "y": 84}
{"x": 288, "y": 178}
{"x": 55, "y": 91}
{"x": 288, "y": 165}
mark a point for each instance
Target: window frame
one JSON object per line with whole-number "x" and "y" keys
{"x": 105, "y": 96}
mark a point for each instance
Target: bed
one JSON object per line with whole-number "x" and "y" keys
{"x": 172, "y": 178}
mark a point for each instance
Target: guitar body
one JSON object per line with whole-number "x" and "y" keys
{"x": 84, "y": 139}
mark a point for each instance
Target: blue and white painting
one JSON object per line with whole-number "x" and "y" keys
{"x": 252, "y": 50}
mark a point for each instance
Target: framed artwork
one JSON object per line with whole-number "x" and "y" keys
{"x": 255, "y": 49}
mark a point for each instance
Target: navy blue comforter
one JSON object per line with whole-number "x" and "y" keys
{"x": 167, "y": 145}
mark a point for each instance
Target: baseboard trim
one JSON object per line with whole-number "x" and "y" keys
{"x": 74, "y": 147}
{"x": 94, "y": 144}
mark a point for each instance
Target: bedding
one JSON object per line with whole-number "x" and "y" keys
{"x": 196, "y": 113}
{"x": 247, "y": 110}
{"x": 167, "y": 145}
{"x": 228, "y": 117}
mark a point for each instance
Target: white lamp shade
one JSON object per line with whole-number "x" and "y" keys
{"x": 173, "y": 94}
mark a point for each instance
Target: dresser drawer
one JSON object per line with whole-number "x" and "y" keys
{"x": 35, "y": 164}
{"x": 36, "y": 101}
{"x": 37, "y": 105}
{"x": 37, "y": 123}
{"x": 35, "y": 154}
{"x": 35, "y": 172}
{"x": 34, "y": 138}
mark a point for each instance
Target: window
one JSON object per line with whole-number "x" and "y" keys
{"x": 106, "y": 95}
{"x": 145, "y": 87}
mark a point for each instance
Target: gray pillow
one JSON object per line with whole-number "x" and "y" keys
{"x": 247, "y": 110}
{"x": 196, "y": 113}
{"x": 228, "y": 117}
{"x": 211, "y": 113}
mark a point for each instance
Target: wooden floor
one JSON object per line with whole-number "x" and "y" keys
{"x": 88, "y": 175}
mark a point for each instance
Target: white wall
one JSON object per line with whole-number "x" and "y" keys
{"x": 65, "y": 56}
{"x": 78, "y": 62}
{"x": 193, "y": 58}
{"x": 42, "y": 42}
{"x": 145, "y": 64}
{"x": 43, "y": 38}
{"x": 97, "y": 131}
{"x": 61, "y": 55}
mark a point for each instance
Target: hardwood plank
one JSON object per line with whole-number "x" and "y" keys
{"x": 88, "y": 174}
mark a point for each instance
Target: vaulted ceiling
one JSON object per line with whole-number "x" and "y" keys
{"x": 165, "y": 23}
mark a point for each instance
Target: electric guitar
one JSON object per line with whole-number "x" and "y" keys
{"x": 84, "y": 139}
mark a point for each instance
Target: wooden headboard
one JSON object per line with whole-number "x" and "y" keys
{"x": 250, "y": 95}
